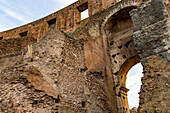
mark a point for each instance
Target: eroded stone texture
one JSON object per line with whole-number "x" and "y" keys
{"x": 119, "y": 32}
{"x": 16, "y": 45}
{"x": 154, "y": 93}
{"x": 36, "y": 79}
{"x": 85, "y": 71}
{"x": 11, "y": 50}
{"x": 67, "y": 19}
{"x": 47, "y": 73}
{"x": 152, "y": 40}
{"x": 99, "y": 91}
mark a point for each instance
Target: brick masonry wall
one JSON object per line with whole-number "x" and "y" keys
{"x": 16, "y": 45}
{"x": 12, "y": 49}
{"x": 67, "y": 19}
{"x": 73, "y": 73}
{"x": 52, "y": 80}
{"x": 154, "y": 93}
{"x": 151, "y": 38}
{"x": 99, "y": 78}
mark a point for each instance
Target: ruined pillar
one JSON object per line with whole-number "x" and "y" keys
{"x": 99, "y": 81}
{"x": 151, "y": 25}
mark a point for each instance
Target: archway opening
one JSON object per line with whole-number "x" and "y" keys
{"x": 122, "y": 88}
{"x": 118, "y": 35}
{"x": 133, "y": 83}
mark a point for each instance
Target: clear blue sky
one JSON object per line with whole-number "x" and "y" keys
{"x": 14, "y": 13}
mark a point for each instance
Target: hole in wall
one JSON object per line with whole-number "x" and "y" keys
{"x": 35, "y": 102}
{"x": 116, "y": 73}
{"x": 56, "y": 108}
{"x": 62, "y": 60}
{"x": 83, "y": 69}
{"x": 1, "y": 37}
{"x": 119, "y": 94}
{"x": 84, "y": 14}
{"x": 83, "y": 9}
{"x": 58, "y": 99}
{"x": 83, "y": 103}
{"x": 52, "y": 21}
{"x": 114, "y": 55}
{"x": 111, "y": 43}
{"x": 127, "y": 44}
{"x": 124, "y": 56}
{"x": 23, "y": 33}
{"x": 120, "y": 47}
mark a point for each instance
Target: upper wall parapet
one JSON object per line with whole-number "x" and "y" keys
{"x": 64, "y": 19}
{"x": 67, "y": 19}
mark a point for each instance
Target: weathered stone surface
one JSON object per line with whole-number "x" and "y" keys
{"x": 155, "y": 38}
{"x": 155, "y": 89}
{"x": 16, "y": 45}
{"x": 152, "y": 41}
{"x": 85, "y": 71}
{"x": 9, "y": 60}
{"x": 36, "y": 79}
{"x": 148, "y": 14}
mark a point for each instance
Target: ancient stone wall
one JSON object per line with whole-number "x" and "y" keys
{"x": 15, "y": 45}
{"x": 66, "y": 19}
{"x": 57, "y": 78}
{"x": 85, "y": 71}
{"x": 39, "y": 28}
{"x": 119, "y": 32}
{"x": 52, "y": 80}
{"x": 12, "y": 49}
{"x": 151, "y": 38}
{"x": 99, "y": 80}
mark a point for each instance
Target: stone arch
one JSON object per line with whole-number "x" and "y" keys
{"x": 127, "y": 65}
{"x": 122, "y": 76}
{"x": 121, "y": 6}
{"x": 116, "y": 44}
{"x": 117, "y": 30}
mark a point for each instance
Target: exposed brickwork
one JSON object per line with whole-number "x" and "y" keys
{"x": 151, "y": 38}
{"x": 16, "y": 45}
{"x": 67, "y": 19}
{"x": 85, "y": 71}
{"x": 154, "y": 94}
{"x": 46, "y": 78}
{"x": 11, "y": 50}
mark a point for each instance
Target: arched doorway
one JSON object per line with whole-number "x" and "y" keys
{"x": 121, "y": 88}
{"x": 118, "y": 34}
